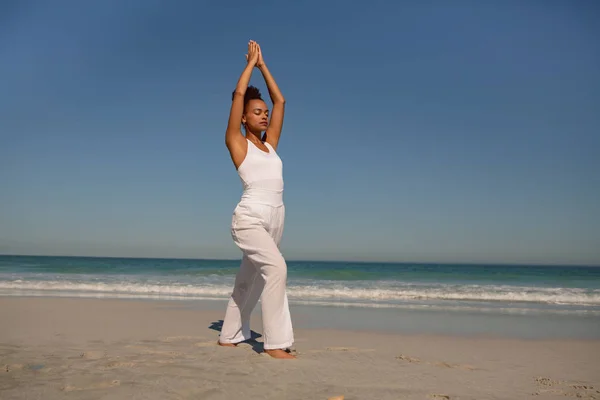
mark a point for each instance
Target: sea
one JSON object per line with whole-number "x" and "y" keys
{"x": 559, "y": 298}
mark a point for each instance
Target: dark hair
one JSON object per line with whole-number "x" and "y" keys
{"x": 252, "y": 93}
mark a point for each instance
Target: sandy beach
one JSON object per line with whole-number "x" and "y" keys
{"x": 76, "y": 348}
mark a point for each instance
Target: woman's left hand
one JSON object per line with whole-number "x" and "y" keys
{"x": 260, "y": 61}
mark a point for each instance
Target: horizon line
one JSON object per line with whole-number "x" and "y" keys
{"x": 500, "y": 264}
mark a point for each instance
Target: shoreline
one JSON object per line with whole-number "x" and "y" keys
{"x": 109, "y": 348}
{"x": 399, "y": 321}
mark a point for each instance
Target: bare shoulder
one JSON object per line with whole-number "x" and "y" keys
{"x": 238, "y": 147}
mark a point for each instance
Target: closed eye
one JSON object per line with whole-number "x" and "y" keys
{"x": 258, "y": 111}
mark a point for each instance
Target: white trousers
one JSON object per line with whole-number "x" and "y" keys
{"x": 257, "y": 230}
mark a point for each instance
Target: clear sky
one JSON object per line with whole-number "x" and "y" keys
{"x": 414, "y": 131}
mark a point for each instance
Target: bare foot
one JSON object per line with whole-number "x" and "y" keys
{"x": 227, "y": 344}
{"x": 279, "y": 353}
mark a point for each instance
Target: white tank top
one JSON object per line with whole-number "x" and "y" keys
{"x": 262, "y": 176}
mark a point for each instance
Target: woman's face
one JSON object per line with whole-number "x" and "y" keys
{"x": 256, "y": 116}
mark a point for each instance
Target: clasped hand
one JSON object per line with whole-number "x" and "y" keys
{"x": 254, "y": 56}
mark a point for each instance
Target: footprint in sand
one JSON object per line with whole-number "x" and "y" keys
{"x": 407, "y": 358}
{"x": 98, "y": 385}
{"x": 436, "y": 363}
{"x": 176, "y": 354}
{"x": 447, "y": 365}
{"x": 119, "y": 364}
{"x": 571, "y": 389}
{"x": 93, "y": 355}
{"x": 340, "y": 349}
{"x": 352, "y": 349}
{"x": 137, "y": 347}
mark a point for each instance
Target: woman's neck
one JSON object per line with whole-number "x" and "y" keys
{"x": 257, "y": 137}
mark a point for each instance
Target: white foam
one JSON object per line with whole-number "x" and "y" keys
{"x": 324, "y": 291}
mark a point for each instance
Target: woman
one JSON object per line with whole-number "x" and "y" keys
{"x": 258, "y": 219}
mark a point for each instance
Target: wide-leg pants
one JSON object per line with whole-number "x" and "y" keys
{"x": 257, "y": 230}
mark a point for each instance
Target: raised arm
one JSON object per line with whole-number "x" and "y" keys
{"x": 234, "y": 139}
{"x": 276, "y": 123}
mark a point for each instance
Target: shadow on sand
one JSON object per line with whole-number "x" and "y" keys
{"x": 256, "y": 346}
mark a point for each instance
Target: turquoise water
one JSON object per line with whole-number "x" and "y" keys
{"x": 498, "y": 289}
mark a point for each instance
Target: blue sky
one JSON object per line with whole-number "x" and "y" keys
{"x": 415, "y": 131}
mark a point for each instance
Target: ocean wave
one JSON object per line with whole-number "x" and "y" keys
{"x": 324, "y": 291}
{"x": 455, "y": 292}
{"x": 520, "y": 311}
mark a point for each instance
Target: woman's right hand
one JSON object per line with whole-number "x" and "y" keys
{"x": 253, "y": 53}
